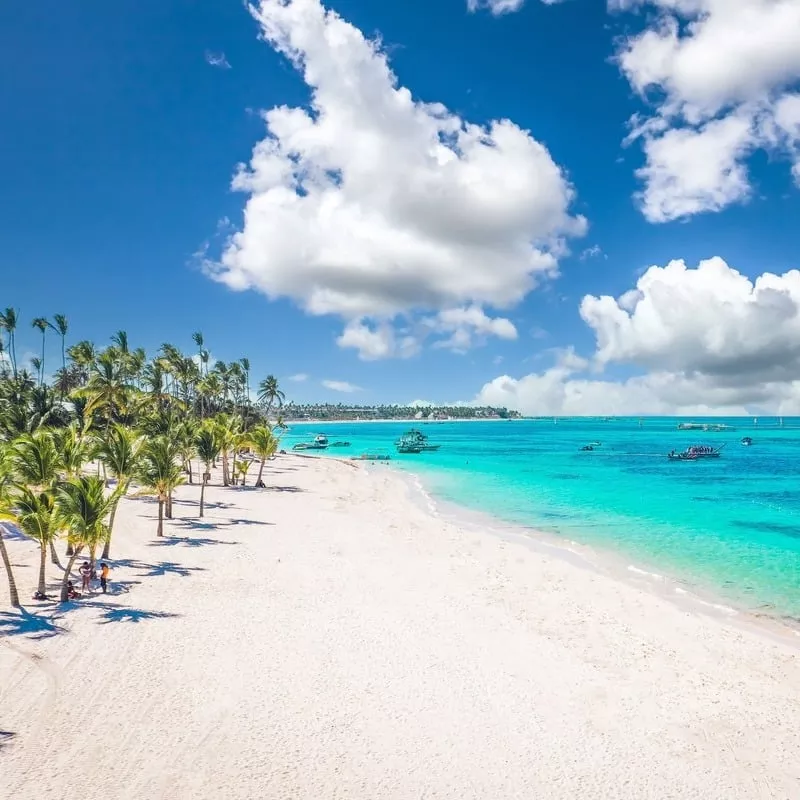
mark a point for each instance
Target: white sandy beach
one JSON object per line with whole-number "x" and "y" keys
{"x": 331, "y": 638}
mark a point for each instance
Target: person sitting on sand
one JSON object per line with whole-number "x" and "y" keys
{"x": 72, "y": 594}
{"x": 104, "y": 577}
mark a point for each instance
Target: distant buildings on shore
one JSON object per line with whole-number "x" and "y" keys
{"x": 340, "y": 411}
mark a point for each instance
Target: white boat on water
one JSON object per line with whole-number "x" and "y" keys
{"x": 713, "y": 427}
{"x": 321, "y": 439}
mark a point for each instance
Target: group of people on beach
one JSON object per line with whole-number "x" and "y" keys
{"x": 88, "y": 574}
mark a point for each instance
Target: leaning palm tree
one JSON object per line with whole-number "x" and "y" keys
{"x": 265, "y": 443}
{"x": 5, "y": 484}
{"x": 270, "y": 393}
{"x": 159, "y": 473}
{"x": 119, "y": 449}
{"x": 82, "y": 509}
{"x": 33, "y": 513}
{"x": 41, "y": 324}
{"x": 208, "y": 447}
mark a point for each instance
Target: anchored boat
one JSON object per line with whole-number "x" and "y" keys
{"x": 415, "y": 441}
{"x": 696, "y": 453}
{"x": 320, "y": 443}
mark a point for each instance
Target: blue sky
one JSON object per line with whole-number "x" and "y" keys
{"x": 120, "y": 141}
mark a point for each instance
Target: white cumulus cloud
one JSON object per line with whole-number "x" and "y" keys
{"x": 218, "y": 60}
{"x": 372, "y": 204}
{"x": 496, "y": 7}
{"x": 300, "y": 377}
{"x": 341, "y": 386}
{"x": 706, "y": 340}
{"x": 721, "y": 71}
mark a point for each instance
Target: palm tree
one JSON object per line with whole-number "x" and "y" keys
{"x": 242, "y": 468}
{"x": 159, "y": 473}
{"x": 41, "y": 324}
{"x": 60, "y": 326}
{"x": 186, "y": 437}
{"x": 245, "y": 362}
{"x": 73, "y": 447}
{"x": 207, "y": 445}
{"x": 5, "y": 483}
{"x": 33, "y": 512}
{"x": 119, "y": 449}
{"x": 270, "y": 393}
{"x": 198, "y": 340}
{"x": 8, "y": 323}
{"x": 35, "y": 461}
{"x": 120, "y": 341}
{"x": 107, "y": 391}
{"x": 265, "y": 443}
{"x": 82, "y": 508}
{"x": 226, "y": 427}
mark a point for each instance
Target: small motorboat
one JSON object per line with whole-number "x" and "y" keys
{"x": 586, "y": 448}
{"x": 747, "y": 441}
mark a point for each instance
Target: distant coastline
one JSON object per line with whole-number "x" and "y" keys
{"x": 400, "y": 419}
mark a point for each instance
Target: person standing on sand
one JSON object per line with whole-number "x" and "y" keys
{"x": 86, "y": 576}
{"x": 104, "y": 577}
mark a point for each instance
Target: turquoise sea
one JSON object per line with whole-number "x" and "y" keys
{"x": 729, "y": 525}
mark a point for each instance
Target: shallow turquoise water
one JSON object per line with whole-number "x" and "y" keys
{"x": 731, "y": 524}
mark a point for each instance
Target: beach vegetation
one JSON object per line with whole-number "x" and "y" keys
{"x": 83, "y": 429}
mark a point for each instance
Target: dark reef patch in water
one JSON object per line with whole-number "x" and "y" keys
{"x": 792, "y": 531}
{"x": 566, "y": 476}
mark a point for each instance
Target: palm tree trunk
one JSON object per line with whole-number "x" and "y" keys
{"x": 107, "y": 545}
{"x": 41, "y": 366}
{"x": 169, "y": 505}
{"x": 189, "y": 465}
{"x": 13, "y": 594}
{"x": 54, "y": 555}
{"x": 233, "y": 466}
{"x": 68, "y": 572}
{"x": 42, "y": 562}
{"x": 202, "y": 495}
{"x": 225, "y": 480}
{"x": 70, "y": 549}
{"x": 261, "y": 470}
{"x": 160, "y": 517}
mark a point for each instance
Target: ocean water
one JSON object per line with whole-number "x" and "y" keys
{"x": 729, "y": 525}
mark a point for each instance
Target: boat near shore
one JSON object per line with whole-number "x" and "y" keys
{"x": 320, "y": 443}
{"x": 414, "y": 442}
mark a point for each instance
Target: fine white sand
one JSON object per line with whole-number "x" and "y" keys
{"x": 331, "y": 638}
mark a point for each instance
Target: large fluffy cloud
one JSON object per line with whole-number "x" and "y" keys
{"x": 721, "y": 71}
{"x": 372, "y": 204}
{"x": 708, "y": 339}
